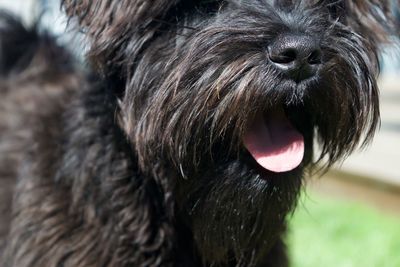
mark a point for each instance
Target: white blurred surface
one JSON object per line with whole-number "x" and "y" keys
{"x": 27, "y": 9}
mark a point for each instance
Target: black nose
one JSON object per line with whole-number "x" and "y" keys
{"x": 297, "y": 55}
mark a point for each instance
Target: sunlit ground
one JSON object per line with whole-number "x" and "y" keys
{"x": 336, "y": 233}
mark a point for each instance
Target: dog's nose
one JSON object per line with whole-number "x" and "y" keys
{"x": 297, "y": 55}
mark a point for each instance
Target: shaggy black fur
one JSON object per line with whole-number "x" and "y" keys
{"x": 141, "y": 161}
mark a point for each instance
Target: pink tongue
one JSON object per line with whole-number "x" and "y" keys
{"x": 274, "y": 143}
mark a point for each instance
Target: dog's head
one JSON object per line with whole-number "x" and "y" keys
{"x": 231, "y": 95}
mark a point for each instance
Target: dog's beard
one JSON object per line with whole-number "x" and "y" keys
{"x": 237, "y": 211}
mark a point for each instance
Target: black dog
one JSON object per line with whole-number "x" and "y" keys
{"x": 187, "y": 142}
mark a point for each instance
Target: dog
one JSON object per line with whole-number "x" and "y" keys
{"x": 186, "y": 138}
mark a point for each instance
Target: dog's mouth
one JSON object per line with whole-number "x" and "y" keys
{"x": 274, "y": 142}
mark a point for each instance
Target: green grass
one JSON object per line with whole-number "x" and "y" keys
{"x": 332, "y": 233}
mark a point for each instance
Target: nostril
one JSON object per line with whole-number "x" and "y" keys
{"x": 284, "y": 57}
{"x": 315, "y": 57}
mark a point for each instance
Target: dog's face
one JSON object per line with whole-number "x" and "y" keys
{"x": 231, "y": 95}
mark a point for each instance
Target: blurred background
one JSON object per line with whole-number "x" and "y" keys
{"x": 351, "y": 215}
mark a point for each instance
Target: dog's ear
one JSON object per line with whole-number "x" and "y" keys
{"x": 106, "y": 17}
{"x": 111, "y": 25}
{"x": 373, "y": 19}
